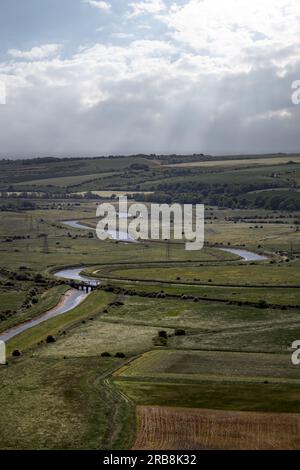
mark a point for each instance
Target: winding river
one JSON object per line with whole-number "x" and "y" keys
{"x": 113, "y": 234}
{"x": 73, "y": 297}
{"x": 69, "y": 300}
{"x": 245, "y": 254}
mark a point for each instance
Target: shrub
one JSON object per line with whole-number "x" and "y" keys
{"x": 120, "y": 355}
{"x": 16, "y": 353}
{"x": 162, "y": 342}
{"x": 180, "y": 332}
{"x": 163, "y": 334}
{"x": 50, "y": 339}
{"x": 262, "y": 304}
{"x": 105, "y": 354}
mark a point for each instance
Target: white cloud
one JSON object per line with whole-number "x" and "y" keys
{"x": 146, "y": 7}
{"x": 122, "y": 35}
{"x": 219, "y": 82}
{"x": 36, "y": 53}
{"x": 237, "y": 32}
{"x": 271, "y": 115}
{"x": 101, "y": 5}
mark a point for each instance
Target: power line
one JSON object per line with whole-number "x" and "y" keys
{"x": 45, "y": 247}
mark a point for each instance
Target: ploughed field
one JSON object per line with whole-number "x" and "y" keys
{"x": 226, "y": 383}
{"x": 169, "y": 428}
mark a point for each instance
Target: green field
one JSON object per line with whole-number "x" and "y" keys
{"x": 210, "y": 380}
{"x": 66, "y": 181}
{"x": 92, "y": 305}
{"x": 63, "y": 404}
{"x": 220, "y": 396}
{"x": 201, "y": 329}
{"x": 229, "y": 275}
{"x": 215, "y": 162}
{"x": 201, "y": 366}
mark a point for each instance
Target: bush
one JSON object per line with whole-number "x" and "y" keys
{"x": 161, "y": 342}
{"x": 39, "y": 278}
{"x": 16, "y": 353}
{"x": 163, "y": 334}
{"x": 180, "y": 332}
{"x": 120, "y": 355}
{"x": 262, "y": 304}
{"x": 50, "y": 339}
{"x": 105, "y": 354}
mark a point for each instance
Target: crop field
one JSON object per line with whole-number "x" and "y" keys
{"x": 17, "y": 171}
{"x": 65, "y": 181}
{"x": 212, "y": 380}
{"x": 200, "y": 366}
{"x": 174, "y": 348}
{"x": 242, "y": 162}
{"x": 166, "y": 428}
{"x": 239, "y": 396}
{"x": 114, "y": 194}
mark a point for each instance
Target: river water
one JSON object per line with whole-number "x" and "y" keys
{"x": 245, "y": 254}
{"x": 68, "y": 301}
{"x": 74, "y": 297}
{"x": 113, "y": 234}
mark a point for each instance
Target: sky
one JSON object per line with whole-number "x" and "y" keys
{"x": 89, "y": 77}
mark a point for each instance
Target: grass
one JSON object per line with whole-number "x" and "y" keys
{"x": 11, "y": 300}
{"x": 239, "y": 163}
{"x": 281, "y": 398}
{"x": 17, "y": 171}
{"x": 112, "y": 193}
{"x": 65, "y": 181}
{"x": 212, "y": 380}
{"x": 46, "y": 300}
{"x": 65, "y": 395}
{"x": 199, "y": 366}
{"x": 63, "y": 404}
{"x": 92, "y": 305}
{"x": 270, "y": 237}
{"x": 69, "y": 246}
{"x": 98, "y": 336}
{"x": 278, "y": 296}
{"x": 210, "y": 325}
{"x": 246, "y": 274}
{"x": 79, "y": 389}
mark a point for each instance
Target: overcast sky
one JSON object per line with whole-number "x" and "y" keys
{"x": 88, "y": 77}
